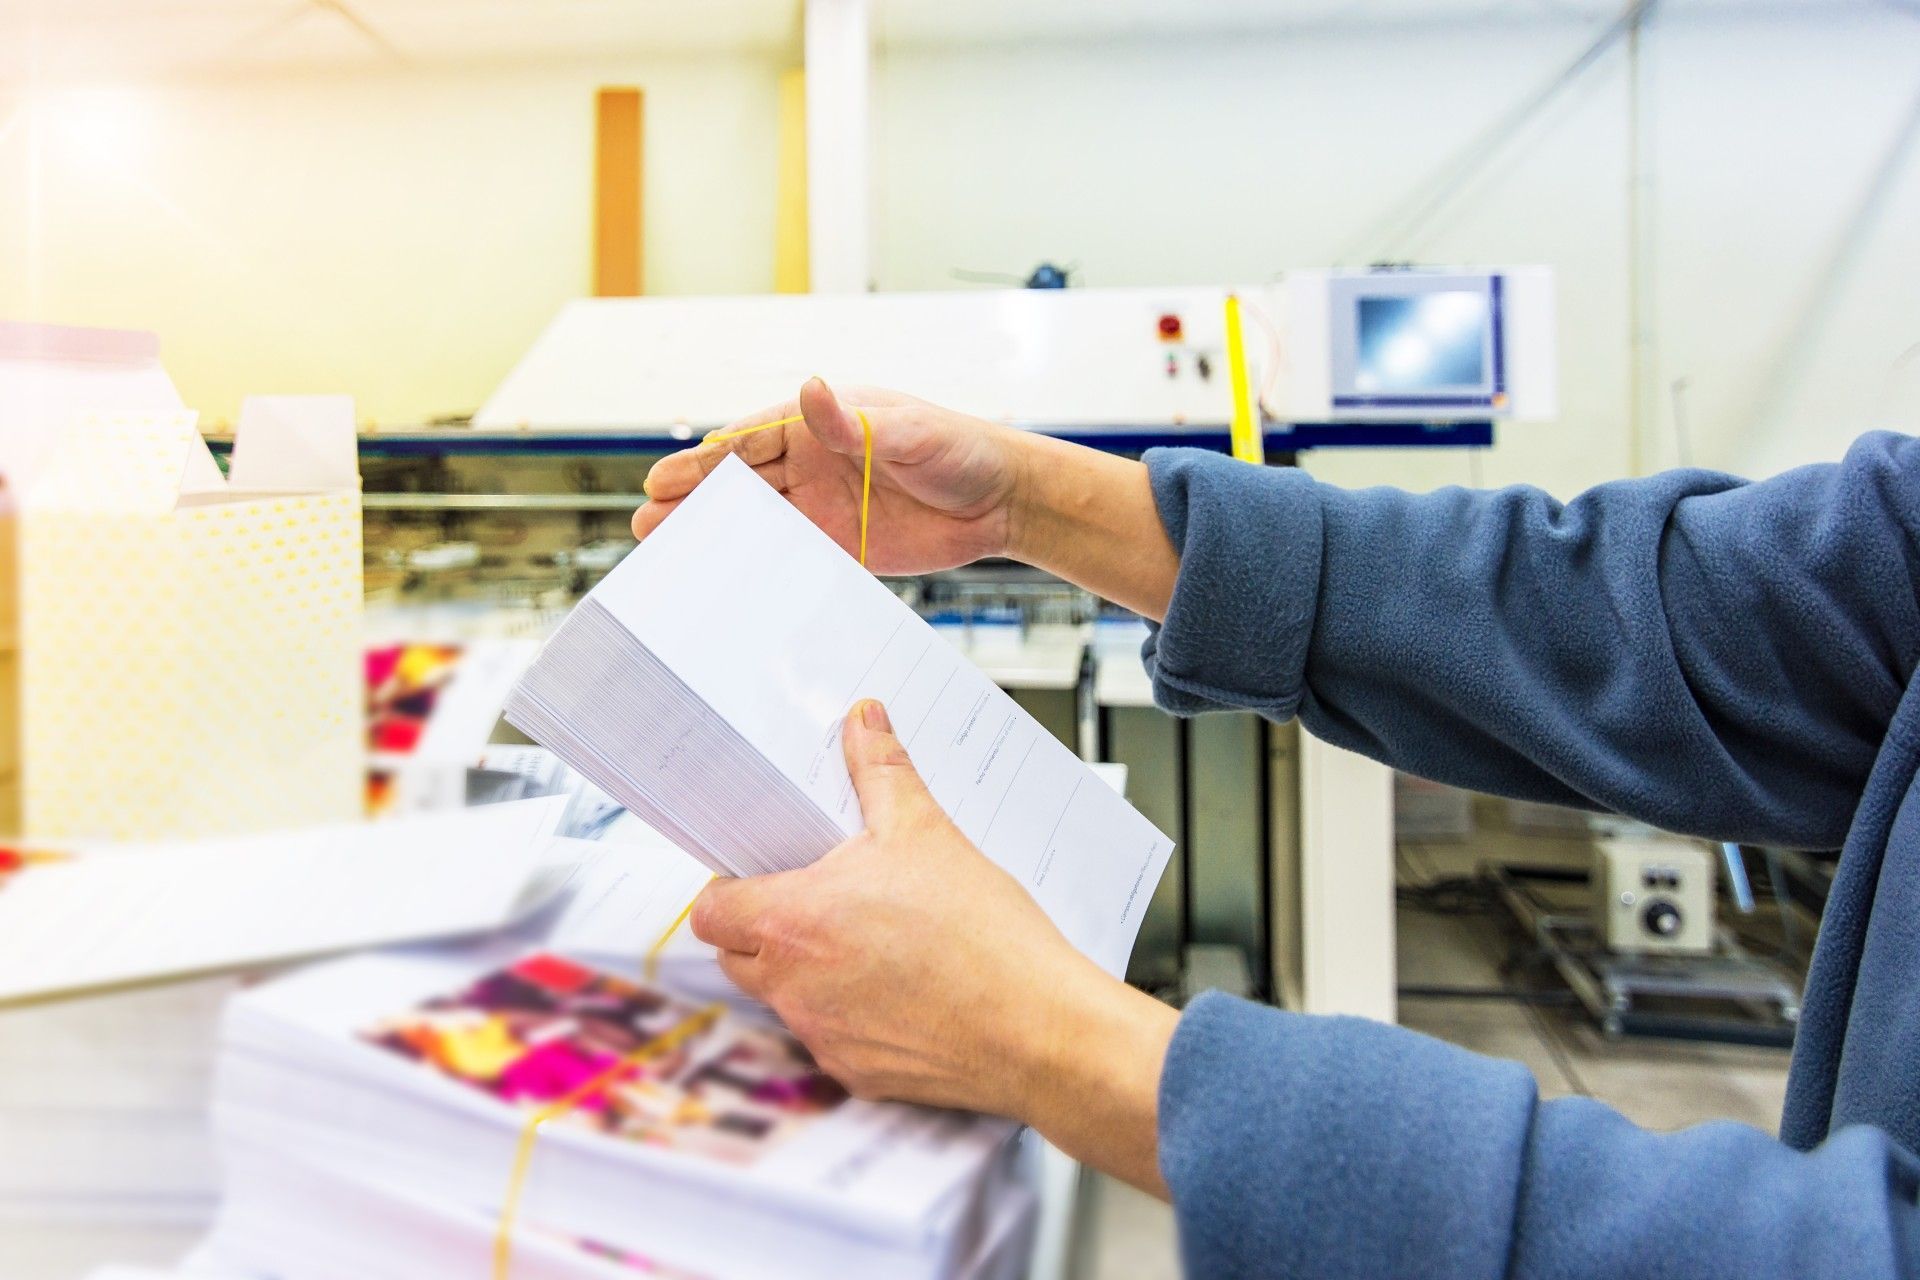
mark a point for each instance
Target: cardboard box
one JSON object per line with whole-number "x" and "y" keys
{"x": 188, "y": 644}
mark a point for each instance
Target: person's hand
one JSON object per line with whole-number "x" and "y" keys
{"x": 944, "y": 483}
{"x": 915, "y": 969}
{"x": 948, "y": 489}
{"x": 910, "y": 965}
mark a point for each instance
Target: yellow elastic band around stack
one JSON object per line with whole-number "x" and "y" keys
{"x": 694, "y": 1024}
{"x": 664, "y": 1043}
{"x": 866, "y": 496}
{"x": 660, "y": 944}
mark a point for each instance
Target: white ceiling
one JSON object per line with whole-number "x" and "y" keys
{"x": 104, "y": 39}
{"x": 89, "y": 39}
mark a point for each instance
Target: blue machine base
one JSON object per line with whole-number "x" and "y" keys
{"x": 1288, "y": 439}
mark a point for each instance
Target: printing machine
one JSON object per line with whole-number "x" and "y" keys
{"x": 1284, "y": 863}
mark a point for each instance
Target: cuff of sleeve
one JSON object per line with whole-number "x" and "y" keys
{"x": 1242, "y": 612}
{"x": 1329, "y": 1147}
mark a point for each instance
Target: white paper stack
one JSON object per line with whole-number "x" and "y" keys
{"x": 619, "y": 897}
{"x": 110, "y": 914}
{"x": 319, "y": 1225}
{"x": 368, "y": 1112}
{"x": 703, "y": 683}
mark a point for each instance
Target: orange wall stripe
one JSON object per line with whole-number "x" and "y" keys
{"x": 616, "y": 193}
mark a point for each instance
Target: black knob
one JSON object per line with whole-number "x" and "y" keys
{"x": 1661, "y": 918}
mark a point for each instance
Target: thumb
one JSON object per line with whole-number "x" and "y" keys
{"x": 832, "y": 423}
{"x": 728, "y": 912}
{"x": 884, "y": 778}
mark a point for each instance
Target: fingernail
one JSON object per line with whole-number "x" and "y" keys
{"x": 874, "y": 716}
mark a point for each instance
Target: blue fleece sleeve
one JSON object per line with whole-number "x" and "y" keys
{"x": 1300, "y": 1146}
{"x": 1709, "y": 655}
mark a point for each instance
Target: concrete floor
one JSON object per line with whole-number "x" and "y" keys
{"x": 101, "y": 1101}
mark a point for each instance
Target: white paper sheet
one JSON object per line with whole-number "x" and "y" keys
{"x": 295, "y": 444}
{"x": 756, "y": 634}
{"x": 114, "y": 914}
{"x": 618, "y": 898}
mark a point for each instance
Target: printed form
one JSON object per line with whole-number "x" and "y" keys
{"x": 780, "y": 632}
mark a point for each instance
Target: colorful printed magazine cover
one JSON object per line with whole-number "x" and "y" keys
{"x": 539, "y": 1029}
{"x": 403, "y": 682}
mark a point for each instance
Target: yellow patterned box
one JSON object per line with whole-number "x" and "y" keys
{"x": 190, "y": 643}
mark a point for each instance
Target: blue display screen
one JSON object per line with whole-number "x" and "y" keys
{"x": 1422, "y": 342}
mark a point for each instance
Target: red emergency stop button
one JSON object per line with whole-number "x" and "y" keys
{"x": 1169, "y": 328}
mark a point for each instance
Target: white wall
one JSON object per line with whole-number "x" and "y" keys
{"x": 1795, "y": 326}
{"x": 401, "y": 235}
{"x": 1209, "y": 160}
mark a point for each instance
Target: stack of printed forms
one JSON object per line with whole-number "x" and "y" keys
{"x": 703, "y": 684}
{"x": 368, "y": 1112}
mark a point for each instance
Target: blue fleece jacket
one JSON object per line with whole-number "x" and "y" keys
{"x": 1729, "y": 659}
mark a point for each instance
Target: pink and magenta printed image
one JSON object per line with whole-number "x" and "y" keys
{"x": 403, "y": 683}
{"x": 542, "y": 1028}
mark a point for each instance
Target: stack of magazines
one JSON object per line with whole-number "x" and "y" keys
{"x": 369, "y": 1113}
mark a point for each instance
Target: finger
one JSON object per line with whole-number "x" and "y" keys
{"x": 675, "y": 475}
{"x": 727, "y": 914}
{"x": 757, "y": 445}
{"x": 884, "y": 778}
{"x": 649, "y": 516}
{"x": 832, "y": 423}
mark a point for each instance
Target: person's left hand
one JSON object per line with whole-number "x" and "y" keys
{"x": 910, "y": 965}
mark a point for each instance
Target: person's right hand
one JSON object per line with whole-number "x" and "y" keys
{"x": 914, "y": 968}
{"x": 944, "y": 483}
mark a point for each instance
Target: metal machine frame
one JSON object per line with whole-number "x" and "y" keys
{"x": 1612, "y": 988}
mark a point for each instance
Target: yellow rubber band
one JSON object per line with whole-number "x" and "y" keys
{"x": 734, "y": 433}
{"x": 866, "y": 466}
{"x": 866, "y": 483}
{"x": 694, "y": 1024}
{"x": 666, "y": 1042}
{"x": 653, "y": 953}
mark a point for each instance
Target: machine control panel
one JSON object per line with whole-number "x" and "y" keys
{"x": 1654, "y": 896}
